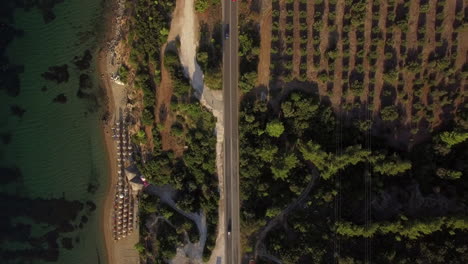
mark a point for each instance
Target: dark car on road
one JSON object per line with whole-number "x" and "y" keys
{"x": 226, "y": 32}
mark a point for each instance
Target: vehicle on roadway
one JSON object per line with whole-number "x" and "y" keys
{"x": 229, "y": 227}
{"x": 226, "y": 31}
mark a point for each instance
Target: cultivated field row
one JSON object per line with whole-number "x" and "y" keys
{"x": 405, "y": 58}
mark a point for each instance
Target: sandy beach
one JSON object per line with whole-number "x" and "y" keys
{"x": 112, "y": 164}
{"x": 122, "y": 251}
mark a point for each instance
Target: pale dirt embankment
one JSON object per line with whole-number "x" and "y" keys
{"x": 185, "y": 26}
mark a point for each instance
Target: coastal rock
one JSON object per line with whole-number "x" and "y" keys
{"x": 44, "y": 88}
{"x": 17, "y": 110}
{"x": 61, "y": 98}
{"x": 59, "y": 74}
{"x": 84, "y": 62}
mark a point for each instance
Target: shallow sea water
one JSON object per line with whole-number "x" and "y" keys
{"x": 57, "y": 147}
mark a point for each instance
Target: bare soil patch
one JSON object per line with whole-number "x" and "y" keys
{"x": 265, "y": 43}
{"x": 163, "y": 115}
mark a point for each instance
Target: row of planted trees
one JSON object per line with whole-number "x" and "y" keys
{"x": 407, "y": 69}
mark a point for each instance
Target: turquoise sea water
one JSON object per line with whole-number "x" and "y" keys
{"x": 52, "y": 157}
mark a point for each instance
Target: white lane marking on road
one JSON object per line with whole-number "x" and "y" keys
{"x": 230, "y": 117}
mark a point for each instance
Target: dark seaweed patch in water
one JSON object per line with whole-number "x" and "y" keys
{"x": 58, "y": 74}
{"x": 6, "y": 138}
{"x": 9, "y": 78}
{"x": 58, "y": 214}
{"x": 91, "y": 206}
{"x": 45, "y": 6}
{"x": 85, "y": 82}
{"x": 8, "y": 175}
{"x": 85, "y": 62}
{"x": 17, "y": 110}
{"x": 98, "y": 257}
{"x": 67, "y": 243}
{"x": 92, "y": 188}
{"x": 61, "y": 98}
{"x": 49, "y": 254}
{"x": 44, "y": 88}
{"x": 9, "y": 73}
{"x": 85, "y": 90}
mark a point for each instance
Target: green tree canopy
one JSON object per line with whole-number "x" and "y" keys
{"x": 453, "y": 138}
{"x": 275, "y": 128}
{"x": 390, "y": 166}
{"x": 283, "y": 166}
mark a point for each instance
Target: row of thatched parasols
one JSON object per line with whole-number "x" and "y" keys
{"x": 122, "y": 219}
{"x": 123, "y": 214}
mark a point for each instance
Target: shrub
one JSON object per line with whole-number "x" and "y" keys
{"x": 140, "y": 248}
{"x": 247, "y": 81}
{"x": 123, "y": 73}
{"x": 389, "y": 113}
{"x": 392, "y": 166}
{"x": 213, "y": 79}
{"x": 357, "y": 87}
{"x": 364, "y": 125}
{"x": 202, "y": 5}
{"x": 147, "y": 117}
{"x": 323, "y": 77}
{"x": 448, "y": 174}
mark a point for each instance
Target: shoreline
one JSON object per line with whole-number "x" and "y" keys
{"x": 111, "y": 153}
{"x": 112, "y": 167}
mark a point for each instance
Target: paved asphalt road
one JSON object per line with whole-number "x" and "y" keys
{"x": 231, "y": 131}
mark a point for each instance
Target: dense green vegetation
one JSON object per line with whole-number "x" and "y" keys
{"x": 209, "y": 55}
{"x": 181, "y": 85}
{"x": 398, "y": 200}
{"x": 249, "y": 49}
{"x": 191, "y": 174}
{"x": 158, "y": 244}
{"x": 202, "y": 5}
{"x": 404, "y": 205}
{"x": 147, "y": 18}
